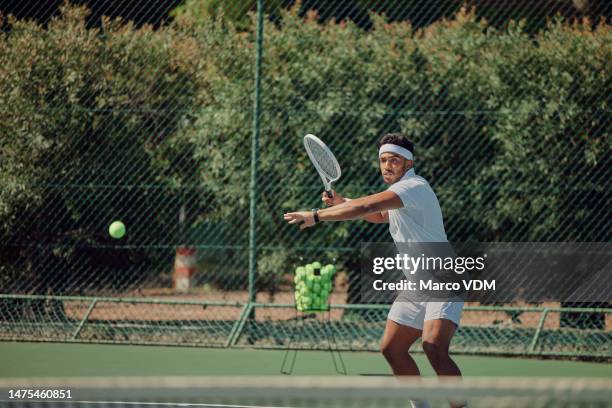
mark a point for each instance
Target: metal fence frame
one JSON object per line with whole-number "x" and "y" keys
{"x": 247, "y": 309}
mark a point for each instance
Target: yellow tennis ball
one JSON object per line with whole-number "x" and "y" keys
{"x": 117, "y": 229}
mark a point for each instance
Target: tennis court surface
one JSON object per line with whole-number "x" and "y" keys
{"x": 143, "y": 376}
{"x": 30, "y": 360}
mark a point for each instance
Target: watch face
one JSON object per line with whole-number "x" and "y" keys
{"x": 316, "y": 215}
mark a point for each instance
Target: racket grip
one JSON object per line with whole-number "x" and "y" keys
{"x": 329, "y": 193}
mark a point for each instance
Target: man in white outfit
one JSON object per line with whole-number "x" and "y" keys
{"x": 411, "y": 208}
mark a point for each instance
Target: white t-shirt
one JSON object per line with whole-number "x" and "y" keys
{"x": 420, "y": 220}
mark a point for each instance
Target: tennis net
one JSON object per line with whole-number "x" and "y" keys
{"x": 358, "y": 392}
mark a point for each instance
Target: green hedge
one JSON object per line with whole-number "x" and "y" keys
{"x": 511, "y": 129}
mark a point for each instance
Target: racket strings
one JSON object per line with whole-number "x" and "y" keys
{"x": 326, "y": 162}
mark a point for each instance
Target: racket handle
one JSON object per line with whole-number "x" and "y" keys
{"x": 329, "y": 193}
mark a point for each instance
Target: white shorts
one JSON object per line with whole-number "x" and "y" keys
{"x": 414, "y": 314}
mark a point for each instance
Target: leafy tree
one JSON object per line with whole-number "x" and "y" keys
{"x": 85, "y": 113}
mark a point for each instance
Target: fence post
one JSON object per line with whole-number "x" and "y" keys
{"x": 254, "y": 154}
{"x": 85, "y": 318}
{"x": 536, "y": 335}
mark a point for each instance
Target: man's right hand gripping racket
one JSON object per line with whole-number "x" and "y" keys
{"x": 324, "y": 161}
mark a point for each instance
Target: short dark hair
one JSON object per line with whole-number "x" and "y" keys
{"x": 396, "y": 139}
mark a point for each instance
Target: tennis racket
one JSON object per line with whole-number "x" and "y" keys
{"x": 324, "y": 161}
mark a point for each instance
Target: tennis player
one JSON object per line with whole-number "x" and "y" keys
{"x": 411, "y": 208}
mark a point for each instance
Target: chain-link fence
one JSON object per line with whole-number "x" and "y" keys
{"x": 185, "y": 122}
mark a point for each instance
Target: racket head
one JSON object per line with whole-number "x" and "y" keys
{"x": 323, "y": 159}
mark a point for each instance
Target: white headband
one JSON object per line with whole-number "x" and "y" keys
{"x": 393, "y": 148}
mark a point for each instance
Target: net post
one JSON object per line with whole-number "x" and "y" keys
{"x": 254, "y": 153}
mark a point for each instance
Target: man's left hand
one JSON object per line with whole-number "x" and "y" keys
{"x": 304, "y": 219}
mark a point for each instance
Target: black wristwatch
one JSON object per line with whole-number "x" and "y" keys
{"x": 315, "y": 215}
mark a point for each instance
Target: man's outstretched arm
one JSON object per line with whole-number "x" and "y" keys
{"x": 337, "y": 199}
{"x": 349, "y": 210}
